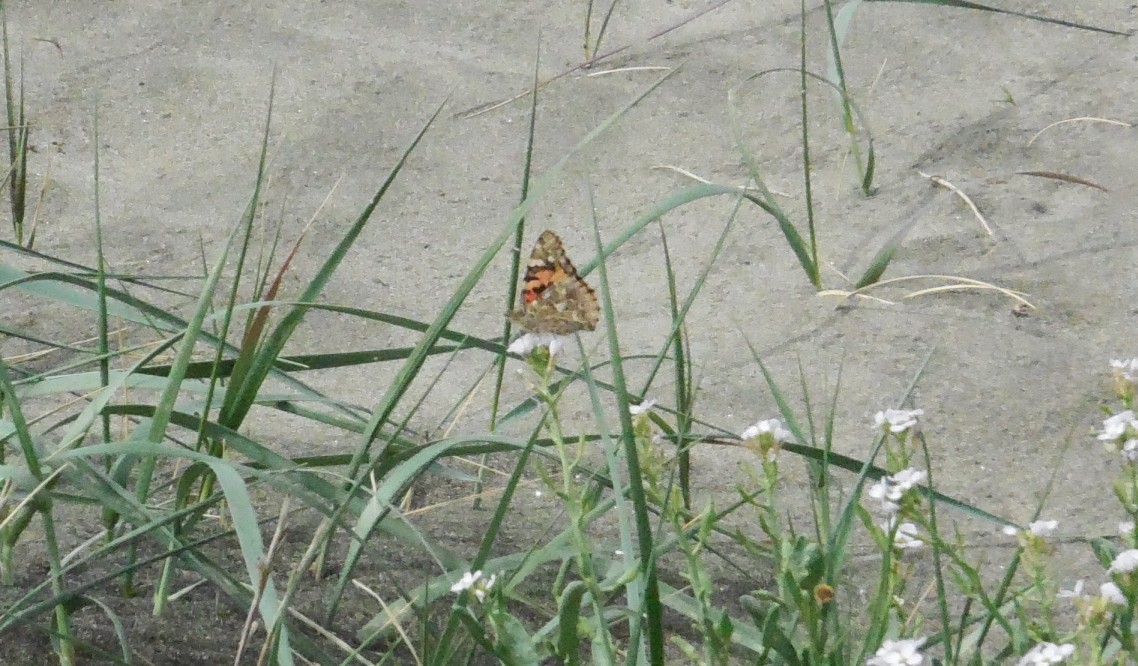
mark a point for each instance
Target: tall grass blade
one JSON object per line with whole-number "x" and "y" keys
{"x": 65, "y": 645}
{"x": 681, "y": 376}
{"x": 516, "y": 258}
{"x": 653, "y": 620}
{"x": 103, "y": 323}
{"x": 962, "y": 4}
{"x": 17, "y": 136}
{"x": 838, "y": 27}
{"x": 790, "y": 233}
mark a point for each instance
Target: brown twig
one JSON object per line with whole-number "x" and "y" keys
{"x": 937, "y": 180}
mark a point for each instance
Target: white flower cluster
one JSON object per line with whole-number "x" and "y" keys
{"x": 890, "y": 489}
{"x": 531, "y": 341}
{"x": 906, "y": 652}
{"x": 1120, "y": 433}
{"x": 1045, "y": 654}
{"x": 898, "y": 420}
{"x": 1126, "y": 370}
{"x": 472, "y": 580}
{"x": 771, "y": 426}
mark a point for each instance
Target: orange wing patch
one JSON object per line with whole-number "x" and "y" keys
{"x": 554, "y": 298}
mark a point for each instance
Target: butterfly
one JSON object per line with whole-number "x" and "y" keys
{"x": 555, "y": 300}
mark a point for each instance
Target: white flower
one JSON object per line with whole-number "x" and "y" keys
{"x": 1046, "y": 654}
{"x": 1112, "y": 594}
{"x": 907, "y": 536}
{"x": 890, "y": 489}
{"x": 772, "y": 426}
{"x": 466, "y": 582}
{"x": 1124, "y": 562}
{"x": 531, "y": 341}
{"x": 907, "y": 478}
{"x": 899, "y": 420}
{"x": 1130, "y": 450}
{"x": 1115, "y": 427}
{"x": 898, "y": 653}
{"x": 473, "y": 581}
{"x": 1043, "y": 528}
{"x": 642, "y": 408}
{"x": 1127, "y": 370}
{"x": 1076, "y": 593}
{"x": 480, "y": 591}
{"x": 881, "y": 491}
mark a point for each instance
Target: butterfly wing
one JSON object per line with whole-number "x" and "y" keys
{"x": 554, "y": 298}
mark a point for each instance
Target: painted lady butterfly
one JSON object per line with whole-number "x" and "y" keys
{"x": 555, "y": 300}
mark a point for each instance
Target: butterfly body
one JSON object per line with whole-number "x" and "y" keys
{"x": 555, "y": 299}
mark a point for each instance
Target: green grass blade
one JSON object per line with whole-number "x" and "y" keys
{"x": 885, "y": 254}
{"x": 962, "y": 4}
{"x": 253, "y": 550}
{"x": 653, "y": 610}
{"x": 516, "y": 256}
{"x": 65, "y": 646}
{"x": 380, "y": 504}
{"x": 234, "y": 412}
{"x": 101, "y": 286}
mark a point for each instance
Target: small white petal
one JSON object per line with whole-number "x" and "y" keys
{"x": 907, "y": 537}
{"x": 1043, "y": 528}
{"x": 531, "y": 341}
{"x": 907, "y": 478}
{"x": 468, "y": 579}
{"x": 1114, "y": 428}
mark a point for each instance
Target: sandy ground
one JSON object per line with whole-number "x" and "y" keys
{"x": 180, "y": 91}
